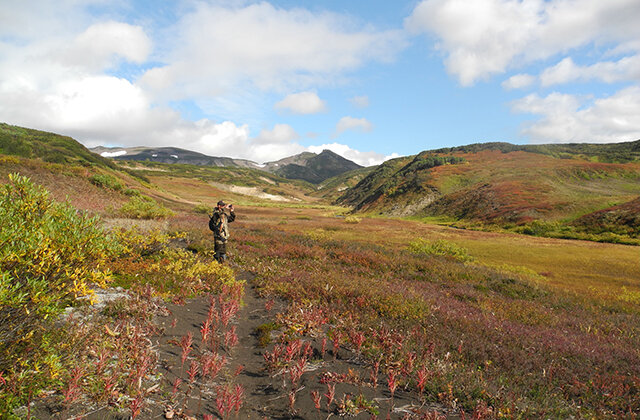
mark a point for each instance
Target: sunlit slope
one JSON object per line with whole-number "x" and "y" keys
{"x": 90, "y": 182}
{"x": 492, "y": 185}
{"x": 49, "y": 147}
{"x": 67, "y": 169}
{"x": 205, "y": 185}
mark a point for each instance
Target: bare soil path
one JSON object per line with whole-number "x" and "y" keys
{"x": 266, "y": 395}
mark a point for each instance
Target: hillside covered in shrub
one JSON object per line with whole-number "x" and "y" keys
{"x": 503, "y": 184}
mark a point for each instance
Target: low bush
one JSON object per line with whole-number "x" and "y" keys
{"x": 440, "y": 247}
{"x": 352, "y": 219}
{"x": 149, "y": 259}
{"x": 132, "y": 192}
{"x": 106, "y": 181}
{"x": 49, "y": 255}
{"x": 144, "y": 208}
{"x": 203, "y": 209}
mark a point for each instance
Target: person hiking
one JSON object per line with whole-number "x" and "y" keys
{"x": 218, "y": 223}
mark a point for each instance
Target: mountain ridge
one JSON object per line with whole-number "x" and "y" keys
{"x": 307, "y": 166}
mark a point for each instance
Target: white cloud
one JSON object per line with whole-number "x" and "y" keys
{"x": 303, "y": 103}
{"x": 281, "y": 133}
{"x": 58, "y": 60}
{"x": 360, "y": 101}
{"x": 567, "y": 118}
{"x": 102, "y": 43}
{"x": 482, "y": 38}
{"x": 627, "y": 68}
{"x": 361, "y": 158}
{"x": 351, "y": 123}
{"x": 518, "y": 81}
{"x": 273, "y": 49}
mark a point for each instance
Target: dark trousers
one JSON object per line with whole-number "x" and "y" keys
{"x": 220, "y": 248}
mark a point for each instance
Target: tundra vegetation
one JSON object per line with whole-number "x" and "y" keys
{"x": 371, "y": 316}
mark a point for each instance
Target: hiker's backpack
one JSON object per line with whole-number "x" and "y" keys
{"x": 218, "y": 225}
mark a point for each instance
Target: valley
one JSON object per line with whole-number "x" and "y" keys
{"x": 479, "y": 302}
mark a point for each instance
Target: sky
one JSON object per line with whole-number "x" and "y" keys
{"x": 368, "y": 79}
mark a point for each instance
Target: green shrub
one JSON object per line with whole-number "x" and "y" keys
{"x": 352, "y": 219}
{"x": 440, "y": 247}
{"x": 49, "y": 255}
{"x": 131, "y": 192}
{"x": 203, "y": 209}
{"x": 106, "y": 181}
{"x": 144, "y": 208}
{"x": 538, "y": 228}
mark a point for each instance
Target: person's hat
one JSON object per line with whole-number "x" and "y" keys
{"x": 222, "y": 203}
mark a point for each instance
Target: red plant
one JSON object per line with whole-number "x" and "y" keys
{"x": 72, "y": 391}
{"x": 336, "y": 343}
{"x": 268, "y": 305}
{"x": 228, "y": 310}
{"x": 392, "y": 382}
{"x": 238, "y": 370}
{"x": 212, "y": 365}
{"x": 238, "y": 393}
{"x": 223, "y": 401}
{"x": 193, "y": 371}
{"x": 176, "y": 385}
{"x": 482, "y": 411}
{"x": 324, "y": 347}
{"x": 374, "y": 374}
{"x": 423, "y": 375}
{"x": 307, "y": 350}
{"x": 296, "y": 371}
{"x": 205, "y": 330}
{"x": 231, "y": 338}
{"x": 331, "y": 393}
{"x": 185, "y": 345}
{"x": 102, "y": 361}
{"x": 292, "y": 400}
{"x": 292, "y": 349}
{"x": 110, "y": 383}
{"x": 315, "y": 396}
{"x": 136, "y": 406}
{"x": 357, "y": 338}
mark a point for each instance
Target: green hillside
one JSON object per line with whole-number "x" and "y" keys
{"x": 608, "y": 153}
{"x": 334, "y": 187}
{"x": 49, "y": 147}
{"x": 503, "y": 184}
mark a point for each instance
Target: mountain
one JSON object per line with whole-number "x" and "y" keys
{"x": 171, "y": 155}
{"x": 502, "y": 183}
{"x": 311, "y": 167}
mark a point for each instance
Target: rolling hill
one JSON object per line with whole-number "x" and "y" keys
{"x": 92, "y": 182}
{"x": 502, "y": 183}
{"x": 50, "y": 147}
{"x": 564, "y": 190}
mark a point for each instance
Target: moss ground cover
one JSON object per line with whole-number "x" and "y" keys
{"x": 501, "y": 336}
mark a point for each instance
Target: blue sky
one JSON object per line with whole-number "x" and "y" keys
{"x": 367, "y": 79}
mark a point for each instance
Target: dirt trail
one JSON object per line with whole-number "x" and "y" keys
{"x": 265, "y": 395}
